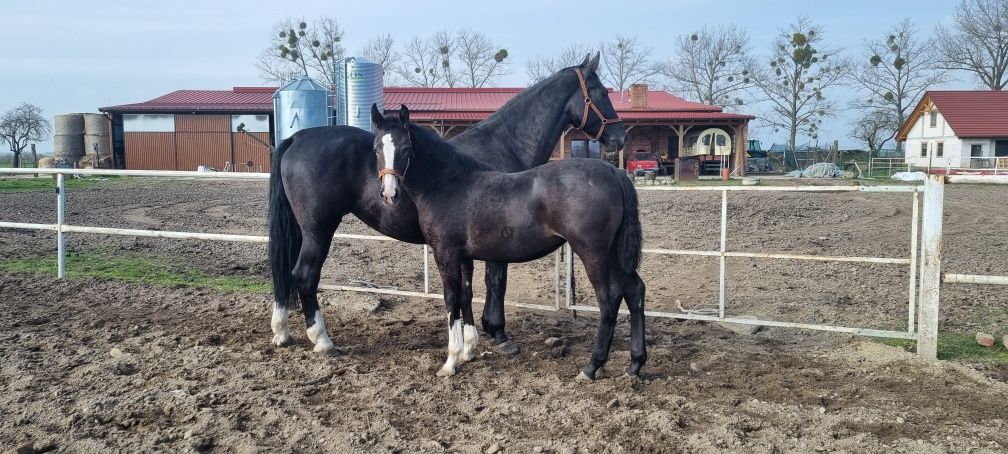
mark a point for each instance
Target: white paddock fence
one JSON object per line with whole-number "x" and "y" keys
{"x": 922, "y": 318}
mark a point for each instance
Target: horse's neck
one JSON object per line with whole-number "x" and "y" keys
{"x": 435, "y": 165}
{"x": 533, "y": 123}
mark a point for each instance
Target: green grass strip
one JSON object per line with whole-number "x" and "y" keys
{"x": 959, "y": 347}
{"x": 139, "y": 270}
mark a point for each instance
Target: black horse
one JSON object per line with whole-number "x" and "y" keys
{"x": 471, "y": 212}
{"x": 321, "y": 174}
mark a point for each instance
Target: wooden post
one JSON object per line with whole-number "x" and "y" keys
{"x": 34, "y": 159}
{"x": 930, "y": 279}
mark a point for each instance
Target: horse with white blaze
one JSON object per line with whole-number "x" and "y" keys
{"x": 467, "y": 211}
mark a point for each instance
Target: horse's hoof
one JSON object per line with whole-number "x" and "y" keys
{"x": 466, "y": 357}
{"x": 325, "y": 347}
{"x": 508, "y": 348}
{"x": 281, "y": 340}
{"x": 446, "y": 372}
{"x": 583, "y": 377}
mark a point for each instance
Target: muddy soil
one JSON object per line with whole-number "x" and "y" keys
{"x": 90, "y": 366}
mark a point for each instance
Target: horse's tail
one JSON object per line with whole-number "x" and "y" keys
{"x": 628, "y": 237}
{"x": 284, "y": 233}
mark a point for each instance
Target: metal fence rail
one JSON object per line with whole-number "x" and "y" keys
{"x": 723, "y": 254}
{"x": 922, "y": 328}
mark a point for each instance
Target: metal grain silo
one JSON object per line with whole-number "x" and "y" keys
{"x": 301, "y": 104}
{"x": 358, "y": 85}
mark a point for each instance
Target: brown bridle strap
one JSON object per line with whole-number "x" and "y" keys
{"x": 591, "y": 105}
{"x": 389, "y": 171}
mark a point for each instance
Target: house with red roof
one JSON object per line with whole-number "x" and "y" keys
{"x": 188, "y": 128}
{"x": 957, "y": 130}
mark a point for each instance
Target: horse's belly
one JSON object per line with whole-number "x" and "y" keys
{"x": 516, "y": 249}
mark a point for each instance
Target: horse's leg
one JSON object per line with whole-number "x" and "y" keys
{"x": 307, "y": 272}
{"x": 470, "y": 337}
{"x": 451, "y": 280}
{"x": 493, "y": 310}
{"x": 632, "y": 287}
{"x": 597, "y": 268}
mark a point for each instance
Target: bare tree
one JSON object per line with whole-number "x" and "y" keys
{"x": 22, "y": 125}
{"x": 539, "y": 68}
{"x": 874, "y": 129}
{"x": 381, "y": 50}
{"x": 798, "y": 73}
{"x": 712, "y": 65}
{"x": 978, "y": 42}
{"x": 298, "y": 46}
{"x": 895, "y": 72}
{"x": 626, "y": 61}
{"x": 464, "y": 59}
{"x": 421, "y": 64}
{"x": 481, "y": 61}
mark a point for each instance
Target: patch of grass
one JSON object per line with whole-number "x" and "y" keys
{"x": 958, "y": 347}
{"x": 134, "y": 270}
{"x": 49, "y": 183}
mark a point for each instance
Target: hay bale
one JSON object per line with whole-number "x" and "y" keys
{"x": 47, "y": 162}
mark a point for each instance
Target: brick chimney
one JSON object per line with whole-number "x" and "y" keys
{"x": 638, "y": 96}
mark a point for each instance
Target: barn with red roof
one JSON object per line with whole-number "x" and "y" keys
{"x": 188, "y": 128}
{"x": 957, "y": 130}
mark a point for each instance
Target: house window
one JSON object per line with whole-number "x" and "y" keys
{"x": 585, "y": 149}
{"x": 923, "y": 150}
{"x": 940, "y": 151}
{"x": 253, "y": 123}
{"x": 976, "y": 150}
{"x": 934, "y": 118}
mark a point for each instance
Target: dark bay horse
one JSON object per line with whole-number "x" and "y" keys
{"x": 468, "y": 211}
{"x": 320, "y": 175}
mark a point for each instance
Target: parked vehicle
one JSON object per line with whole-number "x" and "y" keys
{"x": 642, "y": 161}
{"x": 757, "y": 160}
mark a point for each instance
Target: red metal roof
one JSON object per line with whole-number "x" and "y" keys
{"x": 444, "y": 104}
{"x": 238, "y": 99}
{"x": 970, "y": 113}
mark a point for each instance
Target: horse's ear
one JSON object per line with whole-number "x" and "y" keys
{"x": 593, "y": 64}
{"x": 584, "y": 63}
{"x": 376, "y": 117}
{"x": 403, "y": 114}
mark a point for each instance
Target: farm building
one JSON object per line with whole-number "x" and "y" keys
{"x": 957, "y": 130}
{"x": 188, "y": 128}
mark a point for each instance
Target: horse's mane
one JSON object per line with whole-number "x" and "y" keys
{"x": 439, "y": 159}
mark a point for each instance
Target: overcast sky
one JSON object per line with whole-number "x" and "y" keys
{"x": 74, "y": 56}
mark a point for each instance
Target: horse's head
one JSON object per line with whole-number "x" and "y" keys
{"x": 393, "y": 147}
{"x": 590, "y": 110}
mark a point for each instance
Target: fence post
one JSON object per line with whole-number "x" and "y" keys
{"x": 60, "y": 241}
{"x": 569, "y": 255}
{"x": 724, "y": 243}
{"x": 930, "y": 282}
{"x": 426, "y": 268}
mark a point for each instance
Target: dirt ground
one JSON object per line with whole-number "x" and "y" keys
{"x": 92, "y": 365}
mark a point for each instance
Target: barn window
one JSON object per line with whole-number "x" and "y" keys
{"x": 706, "y": 140}
{"x": 923, "y": 150}
{"x": 940, "y": 150}
{"x": 585, "y": 149}
{"x": 253, "y": 123}
{"x": 934, "y": 118}
{"x": 148, "y": 123}
{"x": 721, "y": 140}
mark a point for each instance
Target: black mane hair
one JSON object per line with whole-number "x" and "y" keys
{"x": 434, "y": 160}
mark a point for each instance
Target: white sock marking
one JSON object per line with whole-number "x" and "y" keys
{"x": 318, "y": 335}
{"x": 470, "y": 339}
{"x": 281, "y": 332}
{"x": 455, "y": 340}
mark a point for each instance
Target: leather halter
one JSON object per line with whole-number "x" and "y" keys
{"x": 591, "y": 105}
{"x": 389, "y": 171}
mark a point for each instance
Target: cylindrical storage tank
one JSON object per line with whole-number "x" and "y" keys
{"x": 363, "y": 88}
{"x": 68, "y": 137}
{"x": 97, "y": 130}
{"x": 301, "y": 104}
